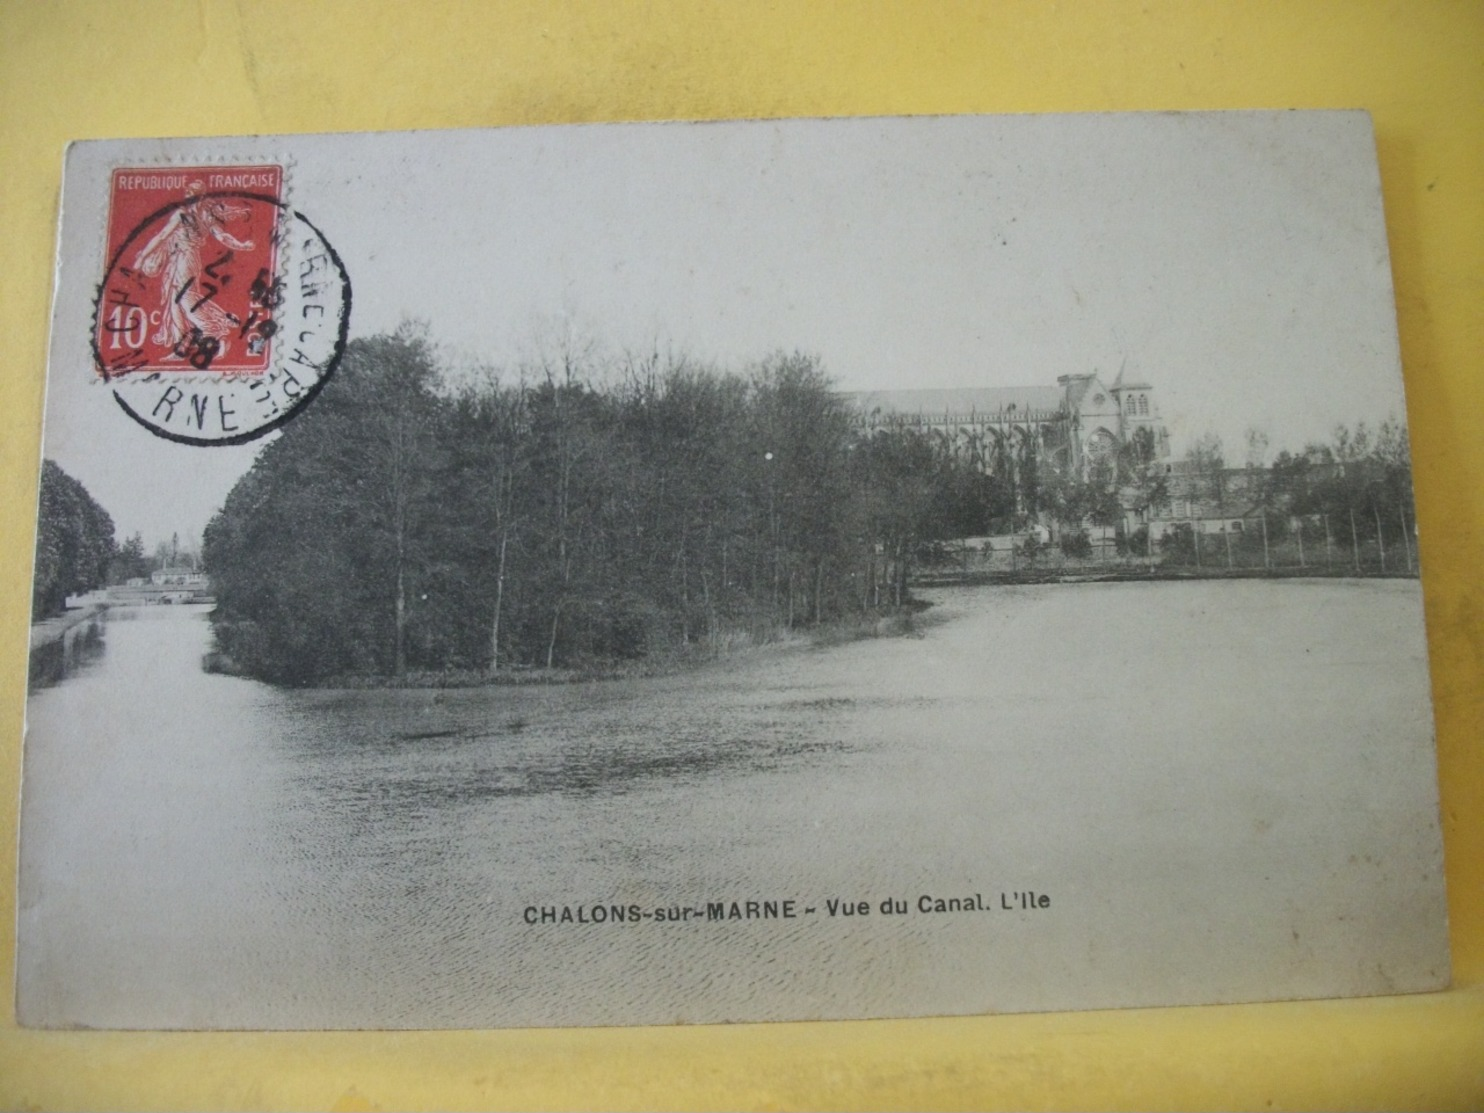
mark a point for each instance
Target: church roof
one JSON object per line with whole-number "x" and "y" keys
{"x": 994, "y": 399}
{"x": 1077, "y": 386}
{"x": 1135, "y": 383}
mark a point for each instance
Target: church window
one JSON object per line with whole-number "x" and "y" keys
{"x": 1101, "y": 445}
{"x": 1143, "y": 404}
{"x": 1132, "y": 404}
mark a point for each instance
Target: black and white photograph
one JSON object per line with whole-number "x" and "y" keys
{"x": 697, "y": 573}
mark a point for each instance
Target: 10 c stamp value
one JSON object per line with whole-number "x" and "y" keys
{"x": 222, "y": 310}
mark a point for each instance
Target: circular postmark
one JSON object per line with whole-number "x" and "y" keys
{"x": 222, "y": 312}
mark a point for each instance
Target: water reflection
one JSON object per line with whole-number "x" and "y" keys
{"x": 70, "y": 653}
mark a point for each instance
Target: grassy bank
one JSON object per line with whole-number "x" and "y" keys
{"x": 725, "y": 645}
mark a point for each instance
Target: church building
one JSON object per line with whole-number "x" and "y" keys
{"x": 1070, "y": 426}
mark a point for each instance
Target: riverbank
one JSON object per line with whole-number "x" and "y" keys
{"x": 58, "y": 643}
{"x": 728, "y": 646}
{"x": 1092, "y": 573}
{"x": 54, "y": 629}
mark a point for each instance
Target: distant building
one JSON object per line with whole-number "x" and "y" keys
{"x": 1070, "y": 426}
{"x": 1224, "y": 500}
{"x": 179, "y": 577}
{"x": 1227, "y": 500}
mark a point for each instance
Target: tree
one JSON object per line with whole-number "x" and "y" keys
{"x": 1143, "y": 479}
{"x": 130, "y": 562}
{"x": 74, "y": 541}
{"x": 566, "y": 431}
{"x": 698, "y": 536}
{"x": 490, "y": 437}
{"x": 389, "y": 448}
{"x": 1257, "y": 447}
{"x": 319, "y": 548}
{"x": 1029, "y": 480}
{"x": 803, "y": 423}
{"x": 563, "y": 517}
{"x": 1370, "y": 485}
{"x": 1206, "y": 461}
{"x": 893, "y": 470}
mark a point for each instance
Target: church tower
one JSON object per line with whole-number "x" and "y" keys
{"x": 1135, "y": 400}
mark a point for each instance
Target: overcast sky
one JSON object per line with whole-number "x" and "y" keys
{"x": 1236, "y": 261}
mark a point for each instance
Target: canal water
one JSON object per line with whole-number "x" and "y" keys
{"x": 1223, "y": 791}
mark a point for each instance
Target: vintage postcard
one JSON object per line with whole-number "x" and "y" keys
{"x": 728, "y": 572}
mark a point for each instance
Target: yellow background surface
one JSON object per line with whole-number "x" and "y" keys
{"x": 91, "y": 70}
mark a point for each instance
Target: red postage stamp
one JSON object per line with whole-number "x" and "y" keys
{"x": 192, "y": 262}
{"x": 222, "y": 310}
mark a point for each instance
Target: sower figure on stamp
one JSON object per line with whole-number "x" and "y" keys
{"x": 187, "y": 288}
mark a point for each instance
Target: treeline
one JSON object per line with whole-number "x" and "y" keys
{"x": 577, "y": 512}
{"x": 564, "y": 516}
{"x": 1362, "y": 477}
{"x": 1345, "y": 504}
{"x": 74, "y": 542}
